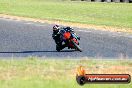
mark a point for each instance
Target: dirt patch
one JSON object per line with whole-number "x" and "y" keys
{"x": 79, "y": 25}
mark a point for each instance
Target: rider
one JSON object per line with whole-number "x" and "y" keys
{"x": 56, "y": 35}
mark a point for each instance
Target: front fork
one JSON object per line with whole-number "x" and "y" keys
{"x": 75, "y": 36}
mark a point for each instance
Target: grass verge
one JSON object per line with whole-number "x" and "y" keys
{"x": 57, "y": 73}
{"x": 108, "y": 14}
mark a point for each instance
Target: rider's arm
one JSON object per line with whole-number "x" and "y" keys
{"x": 53, "y": 36}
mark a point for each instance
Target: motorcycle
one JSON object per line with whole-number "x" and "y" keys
{"x": 70, "y": 39}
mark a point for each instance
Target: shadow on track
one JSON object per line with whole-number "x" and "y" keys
{"x": 37, "y": 51}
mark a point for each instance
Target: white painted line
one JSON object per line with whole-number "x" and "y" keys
{"x": 84, "y": 30}
{"x": 35, "y": 24}
{"x": 28, "y": 23}
{"x": 129, "y": 36}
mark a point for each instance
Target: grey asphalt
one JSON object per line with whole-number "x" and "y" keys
{"x": 25, "y": 38}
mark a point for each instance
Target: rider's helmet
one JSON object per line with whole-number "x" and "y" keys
{"x": 55, "y": 28}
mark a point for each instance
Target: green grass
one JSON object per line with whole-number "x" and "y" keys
{"x": 51, "y": 73}
{"x": 109, "y": 14}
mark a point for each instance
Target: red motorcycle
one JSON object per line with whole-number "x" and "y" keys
{"x": 70, "y": 39}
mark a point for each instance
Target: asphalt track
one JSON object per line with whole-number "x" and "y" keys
{"x": 25, "y": 38}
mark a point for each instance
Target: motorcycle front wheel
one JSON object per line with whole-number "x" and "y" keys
{"x": 76, "y": 46}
